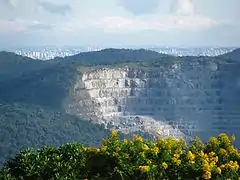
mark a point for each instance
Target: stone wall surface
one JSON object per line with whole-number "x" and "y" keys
{"x": 181, "y": 99}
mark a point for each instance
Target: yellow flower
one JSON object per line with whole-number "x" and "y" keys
{"x": 215, "y": 159}
{"x": 218, "y": 170}
{"x": 224, "y": 138}
{"x": 138, "y": 139}
{"x": 179, "y": 151}
{"x": 236, "y": 166}
{"x": 223, "y": 166}
{"x": 103, "y": 148}
{"x": 169, "y": 142}
{"x": 211, "y": 154}
{"x": 191, "y": 162}
{"x": 213, "y": 141}
{"x": 114, "y": 133}
{"x": 97, "y": 150}
{"x": 176, "y": 160}
{"x": 232, "y": 150}
{"x": 89, "y": 148}
{"x": 204, "y": 161}
{"x": 223, "y": 152}
{"x": 144, "y": 168}
{"x": 190, "y": 156}
{"x": 160, "y": 142}
{"x": 233, "y": 165}
{"x": 176, "y": 155}
{"x": 155, "y": 150}
{"x": 145, "y": 147}
{"x": 203, "y": 155}
{"x": 142, "y": 154}
{"x": 207, "y": 175}
{"x": 212, "y": 164}
{"x": 164, "y": 165}
{"x": 206, "y": 167}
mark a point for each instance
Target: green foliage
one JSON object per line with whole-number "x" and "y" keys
{"x": 46, "y": 87}
{"x": 112, "y": 56}
{"x": 23, "y": 125}
{"x": 13, "y": 65}
{"x": 129, "y": 159}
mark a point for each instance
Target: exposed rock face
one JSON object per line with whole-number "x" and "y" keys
{"x": 177, "y": 99}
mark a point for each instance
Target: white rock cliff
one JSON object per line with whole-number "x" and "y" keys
{"x": 182, "y": 99}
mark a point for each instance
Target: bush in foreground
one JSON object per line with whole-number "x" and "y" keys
{"x": 129, "y": 159}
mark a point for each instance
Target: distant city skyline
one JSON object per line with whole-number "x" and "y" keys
{"x": 47, "y": 53}
{"x": 120, "y": 23}
{"x": 144, "y": 46}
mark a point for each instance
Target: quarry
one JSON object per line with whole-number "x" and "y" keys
{"x": 178, "y": 99}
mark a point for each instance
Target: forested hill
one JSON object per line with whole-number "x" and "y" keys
{"x": 234, "y": 55}
{"x": 111, "y": 56}
{"x": 13, "y": 65}
{"x": 32, "y": 93}
{"x": 28, "y": 125}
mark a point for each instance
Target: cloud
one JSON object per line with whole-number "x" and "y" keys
{"x": 125, "y": 24}
{"x": 12, "y": 9}
{"x": 31, "y": 9}
{"x": 54, "y": 8}
{"x": 21, "y": 25}
{"x": 140, "y": 7}
{"x": 38, "y": 26}
{"x": 109, "y": 21}
{"x": 11, "y": 3}
{"x": 16, "y": 18}
{"x": 182, "y": 16}
{"x": 183, "y": 7}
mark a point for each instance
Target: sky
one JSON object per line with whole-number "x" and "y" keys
{"x": 119, "y": 23}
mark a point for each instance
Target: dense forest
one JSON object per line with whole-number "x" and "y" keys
{"x": 27, "y": 125}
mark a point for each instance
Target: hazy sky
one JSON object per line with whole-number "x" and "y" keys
{"x": 120, "y": 22}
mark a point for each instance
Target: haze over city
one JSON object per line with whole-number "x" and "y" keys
{"x": 119, "y": 22}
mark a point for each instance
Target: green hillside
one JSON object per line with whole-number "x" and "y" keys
{"x": 32, "y": 93}
{"x": 13, "y": 65}
{"x": 27, "y": 125}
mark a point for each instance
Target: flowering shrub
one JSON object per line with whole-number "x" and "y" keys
{"x": 130, "y": 159}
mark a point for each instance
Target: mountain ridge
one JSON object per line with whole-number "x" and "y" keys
{"x": 234, "y": 55}
{"x": 13, "y": 65}
{"x": 58, "y": 85}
